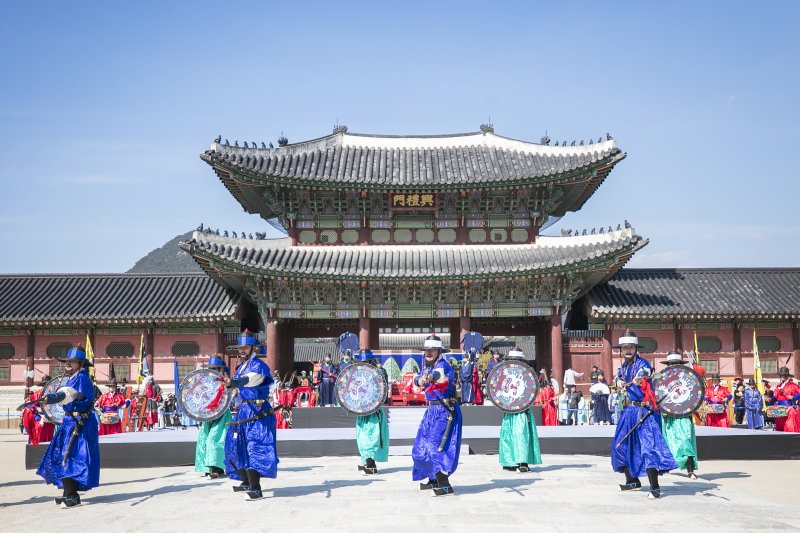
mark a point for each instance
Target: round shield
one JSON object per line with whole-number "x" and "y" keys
{"x": 512, "y": 386}
{"x": 201, "y": 395}
{"x": 54, "y": 413}
{"x": 679, "y": 390}
{"x": 360, "y": 389}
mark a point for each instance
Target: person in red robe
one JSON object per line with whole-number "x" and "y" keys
{"x": 36, "y": 424}
{"x": 718, "y": 394}
{"x": 151, "y": 391}
{"x": 476, "y": 385}
{"x": 546, "y": 398}
{"x": 787, "y": 392}
{"x": 110, "y": 404}
{"x": 31, "y": 418}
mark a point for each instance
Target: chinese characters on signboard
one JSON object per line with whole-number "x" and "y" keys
{"x": 423, "y": 201}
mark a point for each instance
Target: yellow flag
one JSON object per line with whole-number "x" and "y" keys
{"x": 696, "y": 351}
{"x": 90, "y": 355}
{"x": 757, "y": 367}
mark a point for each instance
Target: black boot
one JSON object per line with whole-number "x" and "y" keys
{"x": 71, "y": 497}
{"x": 690, "y": 467}
{"x": 655, "y": 490}
{"x": 244, "y": 486}
{"x": 523, "y": 467}
{"x": 431, "y": 484}
{"x": 254, "y": 479}
{"x": 216, "y": 472}
{"x": 370, "y": 467}
{"x": 510, "y": 468}
{"x": 631, "y": 483}
{"x": 444, "y": 488}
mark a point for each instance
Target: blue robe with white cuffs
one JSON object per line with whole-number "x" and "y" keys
{"x": 428, "y": 460}
{"x": 83, "y": 463}
{"x": 645, "y": 447}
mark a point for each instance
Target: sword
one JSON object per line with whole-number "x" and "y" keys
{"x": 75, "y": 432}
{"x": 639, "y": 423}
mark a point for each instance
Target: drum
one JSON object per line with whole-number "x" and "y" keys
{"x": 198, "y": 392}
{"x": 679, "y": 390}
{"x": 360, "y": 389}
{"x": 777, "y": 411}
{"x": 54, "y": 413}
{"x": 715, "y": 408}
{"x": 110, "y": 417}
{"x": 512, "y": 386}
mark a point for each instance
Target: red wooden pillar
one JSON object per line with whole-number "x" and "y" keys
{"x": 30, "y": 343}
{"x": 796, "y": 349}
{"x": 465, "y": 324}
{"x": 606, "y": 358}
{"x": 272, "y": 343}
{"x": 556, "y": 348}
{"x": 737, "y": 350}
{"x": 285, "y": 350}
{"x": 678, "y": 337}
{"x": 364, "y": 333}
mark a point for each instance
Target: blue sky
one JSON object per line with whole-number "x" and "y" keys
{"x": 105, "y": 106}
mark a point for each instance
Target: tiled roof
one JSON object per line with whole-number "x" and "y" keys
{"x": 421, "y": 162}
{"x": 683, "y": 292}
{"x": 279, "y": 257}
{"x": 105, "y": 298}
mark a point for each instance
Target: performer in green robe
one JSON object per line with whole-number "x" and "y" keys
{"x": 519, "y": 440}
{"x": 209, "y": 455}
{"x": 679, "y": 431}
{"x": 372, "y": 437}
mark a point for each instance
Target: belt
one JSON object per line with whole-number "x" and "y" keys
{"x": 255, "y": 402}
{"x": 446, "y": 402}
{"x": 77, "y": 414}
{"x": 262, "y": 414}
{"x": 638, "y": 404}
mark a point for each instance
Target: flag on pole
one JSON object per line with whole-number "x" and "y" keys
{"x": 177, "y": 383}
{"x": 142, "y": 361}
{"x": 757, "y": 367}
{"x": 90, "y": 356}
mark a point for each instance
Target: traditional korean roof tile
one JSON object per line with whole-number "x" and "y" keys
{"x": 392, "y": 161}
{"x": 277, "y": 257}
{"x": 764, "y": 292}
{"x": 110, "y": 298}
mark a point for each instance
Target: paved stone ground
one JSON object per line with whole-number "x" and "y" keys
{"x": 566, "y": 493}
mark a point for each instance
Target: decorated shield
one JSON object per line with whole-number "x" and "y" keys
{"x": 202, "y": 396}
{"x": 512, "y": 386}
{"x": 54, "y": 412}
{"x": 360, "y": 389}
{"x": 679, "y": 390}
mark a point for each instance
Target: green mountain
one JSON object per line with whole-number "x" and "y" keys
{"x": 167, "y": 259}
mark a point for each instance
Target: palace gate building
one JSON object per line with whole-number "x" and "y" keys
{"x": 394, "y": 231}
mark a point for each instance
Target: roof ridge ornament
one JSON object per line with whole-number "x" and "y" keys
{"x": 283, "y": 141}
{"x": 487, "y": 128}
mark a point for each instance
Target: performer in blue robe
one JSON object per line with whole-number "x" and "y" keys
{"x": 254, "y": 424}
{"x": 644, "y": 450}
{"x": 465, "y": 378}
{"x": 327, "y": 381}
{"x": 753, "y": 406}
{"x": 72, "y": 460}
{"x": 209, "y": 455}
{"x": 438, "y": 443}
